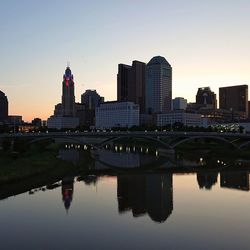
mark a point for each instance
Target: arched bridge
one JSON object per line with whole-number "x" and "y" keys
{"x": 164, "y": 139}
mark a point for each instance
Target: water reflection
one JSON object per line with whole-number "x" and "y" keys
{"x": 207, "y": 179}
{"x": 72, "y": 155}
{"x": 151, "y": 194}
{"x": 235, "y": 180}
{"x": 67, "y": 192}
{"x": 88, "y": 179}
{"x": 121, "y": 159}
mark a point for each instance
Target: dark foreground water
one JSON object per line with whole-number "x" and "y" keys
{"x": 204, "y": 210}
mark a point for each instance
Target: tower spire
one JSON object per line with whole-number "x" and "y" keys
{"x": 68, "y": 64}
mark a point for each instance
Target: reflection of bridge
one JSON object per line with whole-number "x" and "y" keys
{"x": 168, "y": 140}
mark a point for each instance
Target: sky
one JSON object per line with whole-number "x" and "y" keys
{"x": 207, "y": 43}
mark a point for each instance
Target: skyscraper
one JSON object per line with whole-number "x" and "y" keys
{"x": 68, "y": 96}
{"x": 207, "y": 98}
{"x": 131, "y": 83}
{"x": 3, "y": 107}
{"x": 65, "y": 113}
{"x": 235, "y": 99}
{"x": 91, "y": 99}
{"x": 158, "y": 85}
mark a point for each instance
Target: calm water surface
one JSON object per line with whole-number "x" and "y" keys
{"x": 154, "y": 210}
{"x": 141, "y": 211}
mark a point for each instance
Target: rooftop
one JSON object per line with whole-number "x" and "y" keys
{"x": 158, "y": 60}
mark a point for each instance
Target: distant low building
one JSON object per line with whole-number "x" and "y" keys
{"x": 15, "y": 120}
{"x": 37, "y": 122}
{"x": 44, "y": 123}
{"x": 58, "y": 110}
{"x": 117, "y": 114}
{"x": 187, "y": 119}
{"x": 62, "y": 122}
{"x": 179, "y": 103}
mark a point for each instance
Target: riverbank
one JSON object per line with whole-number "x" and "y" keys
{"x": 36, "y": 161}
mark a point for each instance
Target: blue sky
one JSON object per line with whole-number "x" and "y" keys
{"x": 206, "y": 42}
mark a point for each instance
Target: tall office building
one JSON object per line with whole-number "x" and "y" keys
{"x": 91, "y": 99}
{"x": 158, "y": 85}
{"x": 131, "y": 83}
{"x": 207, "y": 98}
{"x": 65, "y": 113}
{"x": 68, "y": 96}
{"x": 3, "y": 107}
{"x": 234, "y": 99}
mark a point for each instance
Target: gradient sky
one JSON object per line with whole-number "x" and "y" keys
{"x": 206, "y": 42}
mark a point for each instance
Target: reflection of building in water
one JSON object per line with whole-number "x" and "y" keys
{"x": 67, "y": 192}
{"x": 235, "y": 180}
{"x": 207, "y": 180}
{"x": 88, "y": 179}
{"x": 121, "y": 159}
{"x": 72, "y": 155}
{"x": 152, "y": 194}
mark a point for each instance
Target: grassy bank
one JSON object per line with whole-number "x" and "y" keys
{"x": 36, "y": 160}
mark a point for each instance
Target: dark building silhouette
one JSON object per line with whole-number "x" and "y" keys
{"x": 80, "y": 111}
{"x": 15, "y": 119}
{"x": 158, "y": 85}
{"x": 207, "y": 180}
{"x": 90, "y": 99}
{"x": 3, "y": 107}
{"x": 235, "y": 180}
{"x": 206, "y": 98}
{"x": 152, "y": 194}
{"x": 131, "y": 192}
{"x": 248, "y": 109}
{"x": 68, "y": 96}
{"x": 179, "y": 103}
{"x": 131, "y": 83}
{"x": 58, "y": 110}
{"x": 67, "y": 192}
{"x": 159, "y": 196}
{"x": 234, "y": 99}
{"x": 37, "y": 122}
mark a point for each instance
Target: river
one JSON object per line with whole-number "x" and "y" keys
{"x": 203, "y": 209}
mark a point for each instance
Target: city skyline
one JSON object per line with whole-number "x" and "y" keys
{"x": 206, "y": 46}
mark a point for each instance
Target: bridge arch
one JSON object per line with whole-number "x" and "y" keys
{"x": 113, "y": 139}
{"x": 244, "y": 144}
{"x": 174, "y": 145}
{"x": 66, "y": 139}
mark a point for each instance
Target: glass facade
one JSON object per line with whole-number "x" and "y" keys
{"x": 158, "y": 85}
